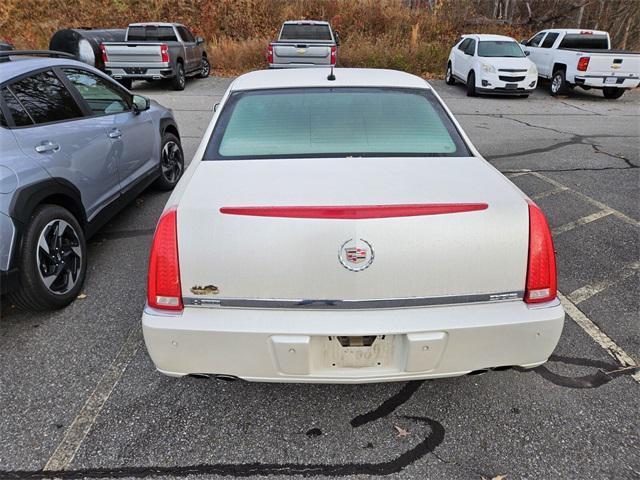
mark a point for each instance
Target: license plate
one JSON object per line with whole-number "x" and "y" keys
{"x": 611, "y": 80}
{"x": 379, "y": 354}
{"x": 512, "y": 85}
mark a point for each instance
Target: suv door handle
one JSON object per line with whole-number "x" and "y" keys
{"x": 46, "y": 146}
{"x": 115, "y": 133}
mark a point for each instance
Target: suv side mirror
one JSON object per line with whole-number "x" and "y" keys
{"x": 199, "y": 40}
{"x": 140, "y": 104}
{"x": 527, "y": 53}
{"x": 336, "y": 35}
{"x": 523, "y": 42}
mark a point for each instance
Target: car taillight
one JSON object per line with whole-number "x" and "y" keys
{"x": 163, "y": 282}
{"x": 334, "y": 51}
{"x": 541, "y": 268}
{"x": 164, "y": 51}
{"x": 105, "y": 58}
{"x": 270, "y": 54}
{"x": 583, "y": 63}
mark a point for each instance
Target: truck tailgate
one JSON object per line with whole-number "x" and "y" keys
{"x": 615, "y": 64}
{"x": 128, "y": 53}
{"x": 302, "y": 53}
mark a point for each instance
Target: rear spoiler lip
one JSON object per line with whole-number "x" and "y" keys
{"x": 354, "y": 212}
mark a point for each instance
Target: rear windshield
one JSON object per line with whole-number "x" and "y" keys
{"x": 333, "y": 122}
{"x": 583, "y": 40}
{"x": 151, "y": 33}
{"x": 499, "y": 49}
{"x": 292, "y": 31}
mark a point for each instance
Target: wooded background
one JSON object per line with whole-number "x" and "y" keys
{"x": 411, "y": 35}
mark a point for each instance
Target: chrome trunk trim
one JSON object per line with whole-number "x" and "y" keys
{"x": 328, "y": 304}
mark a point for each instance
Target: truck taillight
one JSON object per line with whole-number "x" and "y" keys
{"x": 164, "y": 51}
{"x": 542, "y": 283}
{"x": 163, "y": 282}
{"x": 105, "y": 58}
{"x": 583, "y": 64}
{"x": 334, "y": 51}
{"x": 270, "y": 54}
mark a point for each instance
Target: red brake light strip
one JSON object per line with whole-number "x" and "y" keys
{"x": 355, "y": 212}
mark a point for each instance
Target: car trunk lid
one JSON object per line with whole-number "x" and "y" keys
{"x": 463, "y": 253}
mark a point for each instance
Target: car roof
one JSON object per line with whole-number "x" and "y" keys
{"x": 20, "y": 65}
{"x": 155, "y": 24}
{"x": 485, "y": 36}
{"x": 575, "y": 30}
{"x": 313, "y": 22}
{"x": 317, "y": 77}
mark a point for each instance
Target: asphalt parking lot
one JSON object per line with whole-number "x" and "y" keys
{"x": 79, "y": 396}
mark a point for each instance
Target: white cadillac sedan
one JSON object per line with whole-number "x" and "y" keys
{"x": 344, "y": 229}
{"x": 491, "y": 64}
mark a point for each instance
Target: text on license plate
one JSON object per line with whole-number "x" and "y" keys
{"x": 611, "y": 80}
{"x": 378, "y": 354}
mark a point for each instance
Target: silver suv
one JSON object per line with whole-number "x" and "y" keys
{"x": 76, "y": 147}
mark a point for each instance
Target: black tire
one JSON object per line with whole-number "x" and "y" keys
{"x": 448, "y": 76}
{"x": 179, "y": 81}
{"x": 126, "y": 83}
{"x": 524, "y": 96}
{"x": 53, "y": 245}
{"x": 612, "y": 92}
{"x": 558, "y": 85}
{"x": 205, "y": 68}
{"x": 471, "y": 84}
{"x": 171, "y": 162}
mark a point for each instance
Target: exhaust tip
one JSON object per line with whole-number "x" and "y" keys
{"x": 478, "y": 372}
{"x": 226, "y": 378}
{"x": 199, "y": 375}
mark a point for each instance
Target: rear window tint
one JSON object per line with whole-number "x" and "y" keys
{"x": 338, "y": 122}
{"x": 45, "y": 98}
{"x": 305, "y": 32}
{"x": 580, "y": 40}
{"x": 151, "y": 33}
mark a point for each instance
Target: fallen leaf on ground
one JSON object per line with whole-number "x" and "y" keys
{"x": 82, "y": 295}
{"x": 401, "y": 431}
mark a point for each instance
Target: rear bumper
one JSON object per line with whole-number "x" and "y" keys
{"x": 298, "y": 65}
{"x": 598, "y": 81}
{"x": 147, "y": 73}
{"x": 275, "y": 345}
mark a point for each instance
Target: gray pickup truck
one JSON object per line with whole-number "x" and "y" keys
{"x": 304, "y": 43}
{"x": 155, "y": 51}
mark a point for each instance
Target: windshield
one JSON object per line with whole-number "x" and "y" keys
{"x": 333, "y": 122}
{"x": 294, "y": 31}
{"x": 500, "y": 48}
{"x": 588, "y": 41}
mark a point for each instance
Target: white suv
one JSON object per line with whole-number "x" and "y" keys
{"x": 491, "y": 64}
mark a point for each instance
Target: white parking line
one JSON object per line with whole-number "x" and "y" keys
{"x": 548, "y": 193}
{"x": 588, "y": 291}
{"x": 590, "y": 200}
{"x": 581, "y": 221}
{"x": 81, "y": 425}
{"x": 598, "y": 335}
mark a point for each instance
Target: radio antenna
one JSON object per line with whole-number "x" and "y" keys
{"x": 331, "y": 76}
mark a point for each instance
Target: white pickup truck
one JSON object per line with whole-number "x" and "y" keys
{"x": 304, "y": 43}
{"x": 584, "y": 58}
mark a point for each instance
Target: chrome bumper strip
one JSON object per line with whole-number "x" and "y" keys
{"x": 327, "y": 304}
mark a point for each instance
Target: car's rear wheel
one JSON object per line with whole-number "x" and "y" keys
{"x": 179, "y": 80}
{"x": 205, "y": 68}
{"x": 171, "y": 162}
{"x": 126, "y": 83}
{"x": 612, "y": 92}
{"x": 448, "y": 77}
{"x": 52, "y": 260}
{"x": 559, "y": 84}
{"x": 471, "y": 85}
